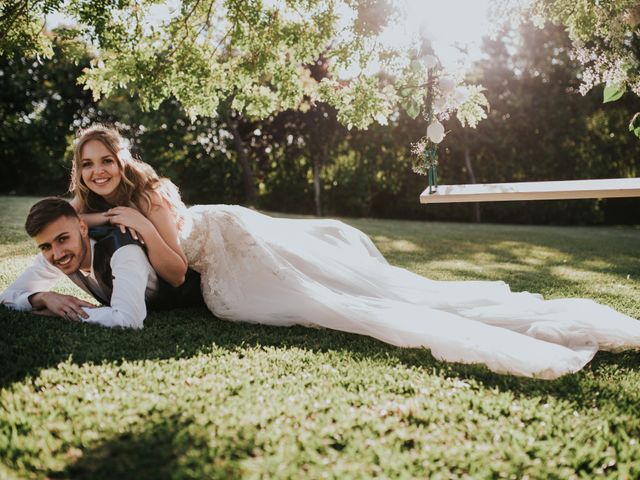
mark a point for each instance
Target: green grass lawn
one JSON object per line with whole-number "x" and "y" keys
{"x": 191, "y": 396}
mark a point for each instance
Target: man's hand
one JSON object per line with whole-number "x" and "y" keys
{"x": 57, "y": 304}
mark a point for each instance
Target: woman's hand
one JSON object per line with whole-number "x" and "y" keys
{"x": 159, "y": 232}
{"x": 94, "y": 219}
{"x": 130, "y": 218}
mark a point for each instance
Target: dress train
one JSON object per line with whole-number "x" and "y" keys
{"x": 325, "y": 273}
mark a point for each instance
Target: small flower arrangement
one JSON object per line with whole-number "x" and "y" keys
{"x": 437, "y": 95}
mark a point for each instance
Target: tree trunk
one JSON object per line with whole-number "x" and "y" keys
{"x": 241, "y": 152}
{"x": 472, "y": 179}
{"x": 317, "y": 186}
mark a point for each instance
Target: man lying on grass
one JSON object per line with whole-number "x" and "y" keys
{"x": 104, "y": 262}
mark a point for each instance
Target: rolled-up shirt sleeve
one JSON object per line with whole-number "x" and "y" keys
{"x": 40, "y": 276}
{"x": 131, "y": 271}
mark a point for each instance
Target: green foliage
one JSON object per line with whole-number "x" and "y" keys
{"x": 360, "y": 102}
{"x": 634, "y": 125}
{"x": 605, "y": 38}
{"x": 199, "y": 57}
{"x": 612, "y": 93}
{"x": 249, "y": 53}
{"x": 412, "y": 91}
{"x": 40, "y": 104}
{"x": 474, "y": 107}
{"x": 22, "y": 31}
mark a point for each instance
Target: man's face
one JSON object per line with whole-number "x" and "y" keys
{"x": 64, "y": 244}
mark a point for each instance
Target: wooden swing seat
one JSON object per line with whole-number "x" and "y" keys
{"x": 557, "y": 190}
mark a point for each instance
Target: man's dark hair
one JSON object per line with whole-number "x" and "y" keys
{"x": 46, "y": 211}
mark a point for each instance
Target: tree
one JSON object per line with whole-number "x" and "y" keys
{"x": 40, "y": 103}
{"x": 248, "y": 54}
{"x": 22, "y": 28}
{"x": 605, "y": 36}
{"x": 321, "y": 133}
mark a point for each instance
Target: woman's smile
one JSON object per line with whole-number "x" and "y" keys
{"x": 100, "y": 168}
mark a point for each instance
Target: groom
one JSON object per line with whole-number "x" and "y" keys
{"x": 104, "y": 262}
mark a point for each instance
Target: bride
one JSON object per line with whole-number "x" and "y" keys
{"x": 324, "y": 273}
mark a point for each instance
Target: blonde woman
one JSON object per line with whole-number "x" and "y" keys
{"x": 110, "y": 186}
{"x": 276, "y": 271}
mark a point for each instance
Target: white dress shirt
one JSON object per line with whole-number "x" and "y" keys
{"x": 133, "y": 280}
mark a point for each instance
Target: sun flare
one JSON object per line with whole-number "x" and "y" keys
{"x": 452, "y": 26}
{"x": 455, "y": 29}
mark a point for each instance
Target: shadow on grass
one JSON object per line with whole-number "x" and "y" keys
{"x": 174, "y": 448}
{"x": 29, "y": 344}
{"x": 590, "y": 249}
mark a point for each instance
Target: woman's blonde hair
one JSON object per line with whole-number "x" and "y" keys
{"x": 139, "y": 179}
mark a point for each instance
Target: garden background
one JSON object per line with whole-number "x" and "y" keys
{"x": 539, "y": 127}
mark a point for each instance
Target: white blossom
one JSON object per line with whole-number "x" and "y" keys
{"x": 381, "y": 118}
{"x": 446, "y": 85}
{"x": 440, "y": 105}
{"x": 460, "y": 95}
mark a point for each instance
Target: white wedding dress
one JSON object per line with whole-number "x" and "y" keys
{"x": 324, "y": 273}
